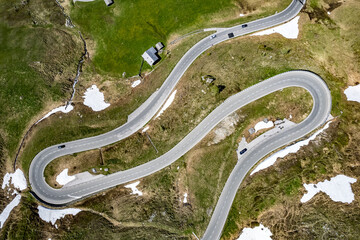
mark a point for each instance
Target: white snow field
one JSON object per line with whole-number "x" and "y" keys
{"x": 94, "y": 99}
{"x": 63, "y": 178}
{"x": 6, "y": 212}
{"x": 290, "y": 149}
{"x": 262, "y": 125}
{"x": 135, "y": 83}
{"x": 62, "y": 109}
{"x": 145, "y": 129}
{"x": 51, "y": 215}
{"x": 185, "y": 198}
{"x": 134, "y": 189}
{"x": 353, "y": 93}
{"x": 256, "y": 233}
{"x": 17, "y": 179}
{"x": 167, "y": 103}
{"x": 338, "y": 189}
{"x": 289, "y": 30}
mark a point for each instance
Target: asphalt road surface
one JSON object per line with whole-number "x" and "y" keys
{"x": 320, "y": 112}
{"x": 307, "y": 80}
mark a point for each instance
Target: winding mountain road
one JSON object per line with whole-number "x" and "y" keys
{"x": 309, "y": 81}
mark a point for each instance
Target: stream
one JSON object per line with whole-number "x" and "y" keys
{"x": 70, "y": 24}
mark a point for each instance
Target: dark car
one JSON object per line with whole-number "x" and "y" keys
{"x": 61, "y": 146}
{"x": 231, "y": 35}
{"x": 244, "y": 25}
{"x": 243, "y": 151}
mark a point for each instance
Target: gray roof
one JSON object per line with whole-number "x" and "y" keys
{"x": 159, "y": 45}
{"x": 152, "y": 51}
{"x": 150, "y": 56}
{"x": 108, "y": 2}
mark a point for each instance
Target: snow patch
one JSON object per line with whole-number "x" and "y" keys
{"x": 94, "y": 99}
{"x": 167, "y": 103}
{"x": 52, "y": 215}
{"x": 353, "y": 93}
{"x": 290, "y": 149}
{"x": 63, "y": 178}
{"x": 83, "y": 177}
{"x": 145, "y": 129}
{"x": 241, "y": 15}
{"x": 263, "y": 125}
{"x": 338, "y": 189}
{"x": 62, "y": 109}
{"x": 6, "y": 212}
{"x": 185, "y": 198}
{"x": 17, "y": 179}
{"x": 135, "y": 83}
{"x": 256, "y": 233}
{"x": 289, "y": 30}
{"x": 68, "y": 23}
{"x": 134, "y": 189}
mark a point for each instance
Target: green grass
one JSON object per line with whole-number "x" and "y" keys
{"x": 28, "y": 67}
{"x": 125, "y": 30}
{"x": 322, "y": 48}
{"x": 200, "y": 174}
{"x": 93, "y": 123}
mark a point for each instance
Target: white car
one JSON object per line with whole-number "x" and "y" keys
{"x": 213, "y": 36}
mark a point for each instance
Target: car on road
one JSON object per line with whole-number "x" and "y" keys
{"x": 231, "y": 35}
{"x": 61, "y": 146}
{"x": 244, "y": 25}
{"x": 243, "y": 151}
{"x": 213, "y": 36}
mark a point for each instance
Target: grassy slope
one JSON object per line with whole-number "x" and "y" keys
{"x": 278, "y": 188}
{"x": 124, "y": 98}
{"x": 273, "y": 196}
{"x": 93, "y": 123}
{"x": 125, "y": 30}
{"x": 37, "y": 57}
{"x": 28, "y": 68}
{"x": 163, "y": 189}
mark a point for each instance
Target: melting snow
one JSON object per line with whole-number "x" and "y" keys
{"x": 135, "y": 83}
{"x": 63, "y": 178}
{"x": 256, "y": 233}
{"x": 6, "y": 212}
{"x": 94, "y": 99}
{"x": 68, "y": 23}
{"x": 290, "y": 149}
{"x": 167, "y": 103}
{"x": 288, "y": 30}
{"x": 353, "y": 93}
{"x": 58, "y": 109}
{"x": 145, "y": 129}
{"x": 17, "y": 179}
{"x": 338, "y": 189}
{"x": 51, "y": 215}
{"x": 134, "y": 189}
{"x": 241, "y": 15}
{"x": 185, "y": 198}
{"x": 263, "y": 125}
